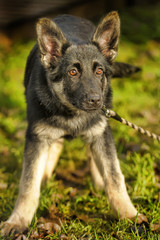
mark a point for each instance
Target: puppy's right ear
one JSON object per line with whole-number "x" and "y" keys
{"x": 50, "y": 40}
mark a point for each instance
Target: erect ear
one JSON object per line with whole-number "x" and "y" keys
{"x": 107, "y": 35}
{"x": 50, "y": 41}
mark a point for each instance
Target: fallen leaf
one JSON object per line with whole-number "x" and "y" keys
{"x": 155, "y": 227}
{"x": 34, "y": 235}
{"x": 73, "y": 192}
{"x": 85, "y": 218}
{"x": 41, "y": 220}
{"x": 53, "y": 210}
{"x": 52, "y": 223}
{"x": 63, "y": 237}
{"x": 56, "y": 227}
{"x": 21, "y": 237}
{"x": 54, "y": 214}
{"x": 47, "y": 228}
{"x": 141, "y": 218}
{"x": 57, "y": 196}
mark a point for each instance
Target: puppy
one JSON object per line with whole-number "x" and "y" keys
{"x": 67, "y": 82}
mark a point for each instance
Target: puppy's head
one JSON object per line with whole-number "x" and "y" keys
{"x": 79, "y": 74}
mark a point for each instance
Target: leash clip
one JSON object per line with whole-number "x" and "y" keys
{"x": 106, "y": 111}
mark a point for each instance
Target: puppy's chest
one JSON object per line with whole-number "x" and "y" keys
{"x": 57, "y": 127}
{"x": 76, "y": 125}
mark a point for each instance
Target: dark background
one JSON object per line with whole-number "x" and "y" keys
{"x": 18, "y": 17}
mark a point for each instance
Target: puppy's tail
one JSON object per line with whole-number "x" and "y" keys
{"x": 121, "y": 69}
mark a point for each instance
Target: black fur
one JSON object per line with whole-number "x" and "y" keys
{"x": 67, "y": 82}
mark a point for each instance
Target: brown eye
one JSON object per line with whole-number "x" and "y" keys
{"x": 73, "y": 72}
{"x": 99, "y": 71}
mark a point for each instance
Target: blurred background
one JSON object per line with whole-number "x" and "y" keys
{"x": 17, "y": 18}
{"x": 136, "y": 98}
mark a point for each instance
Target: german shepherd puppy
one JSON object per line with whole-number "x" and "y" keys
{"x": 67, "y": 82}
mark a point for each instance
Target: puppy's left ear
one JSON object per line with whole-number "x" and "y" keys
{"x": 107, "y": 35}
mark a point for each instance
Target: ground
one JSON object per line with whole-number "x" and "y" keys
{"x": 69, "y": 207}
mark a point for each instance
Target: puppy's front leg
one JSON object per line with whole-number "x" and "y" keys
{"x": 105, "y": 157}
{"x": 96, "y": 176}
{"x": 35, "y": 156}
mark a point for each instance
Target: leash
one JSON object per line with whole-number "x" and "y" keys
{"x": 111, "y": 114}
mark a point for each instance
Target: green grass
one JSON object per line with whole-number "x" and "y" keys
{"x": 86, "y": 214}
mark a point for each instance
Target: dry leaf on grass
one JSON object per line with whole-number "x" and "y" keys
{"x": 155, "y": 226}
{"x": 21, "y": 237}
{"x": 63, "y": 237}
{"x": 141, "y": 218}
{"x": 49, "y": 227}
{"x": 73, "y": 192}
{"x": 85, "y": 218}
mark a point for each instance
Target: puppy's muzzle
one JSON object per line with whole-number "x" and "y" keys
{"x": 93, "y": 101}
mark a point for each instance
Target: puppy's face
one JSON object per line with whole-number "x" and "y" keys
{"x": 83, "y": 78}
{"x": 79, "y": 74}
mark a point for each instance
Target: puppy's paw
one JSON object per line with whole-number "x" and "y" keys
{"x": 11, "y": 228}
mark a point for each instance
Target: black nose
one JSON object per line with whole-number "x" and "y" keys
{"x": 94, "y": 100}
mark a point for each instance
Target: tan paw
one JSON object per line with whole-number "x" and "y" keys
{"x": 10, "y": 228}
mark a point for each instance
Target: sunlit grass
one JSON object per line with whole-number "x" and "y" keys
{"x": 136, "y": 99}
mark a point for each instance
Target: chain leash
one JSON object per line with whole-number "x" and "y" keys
{"x": 111, "y": 114}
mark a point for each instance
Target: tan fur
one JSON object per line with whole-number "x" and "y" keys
{"x": 53, "y": 156}
{"x": 116, "y": 192}
{"x": 120, "y": 201}
{"x": 48, "y": 133}
{"x": 96, "y": 130}
{"x": 96, "y": 176}
{"x": 28, "y": 198}
{"x": 118, "y": 198}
